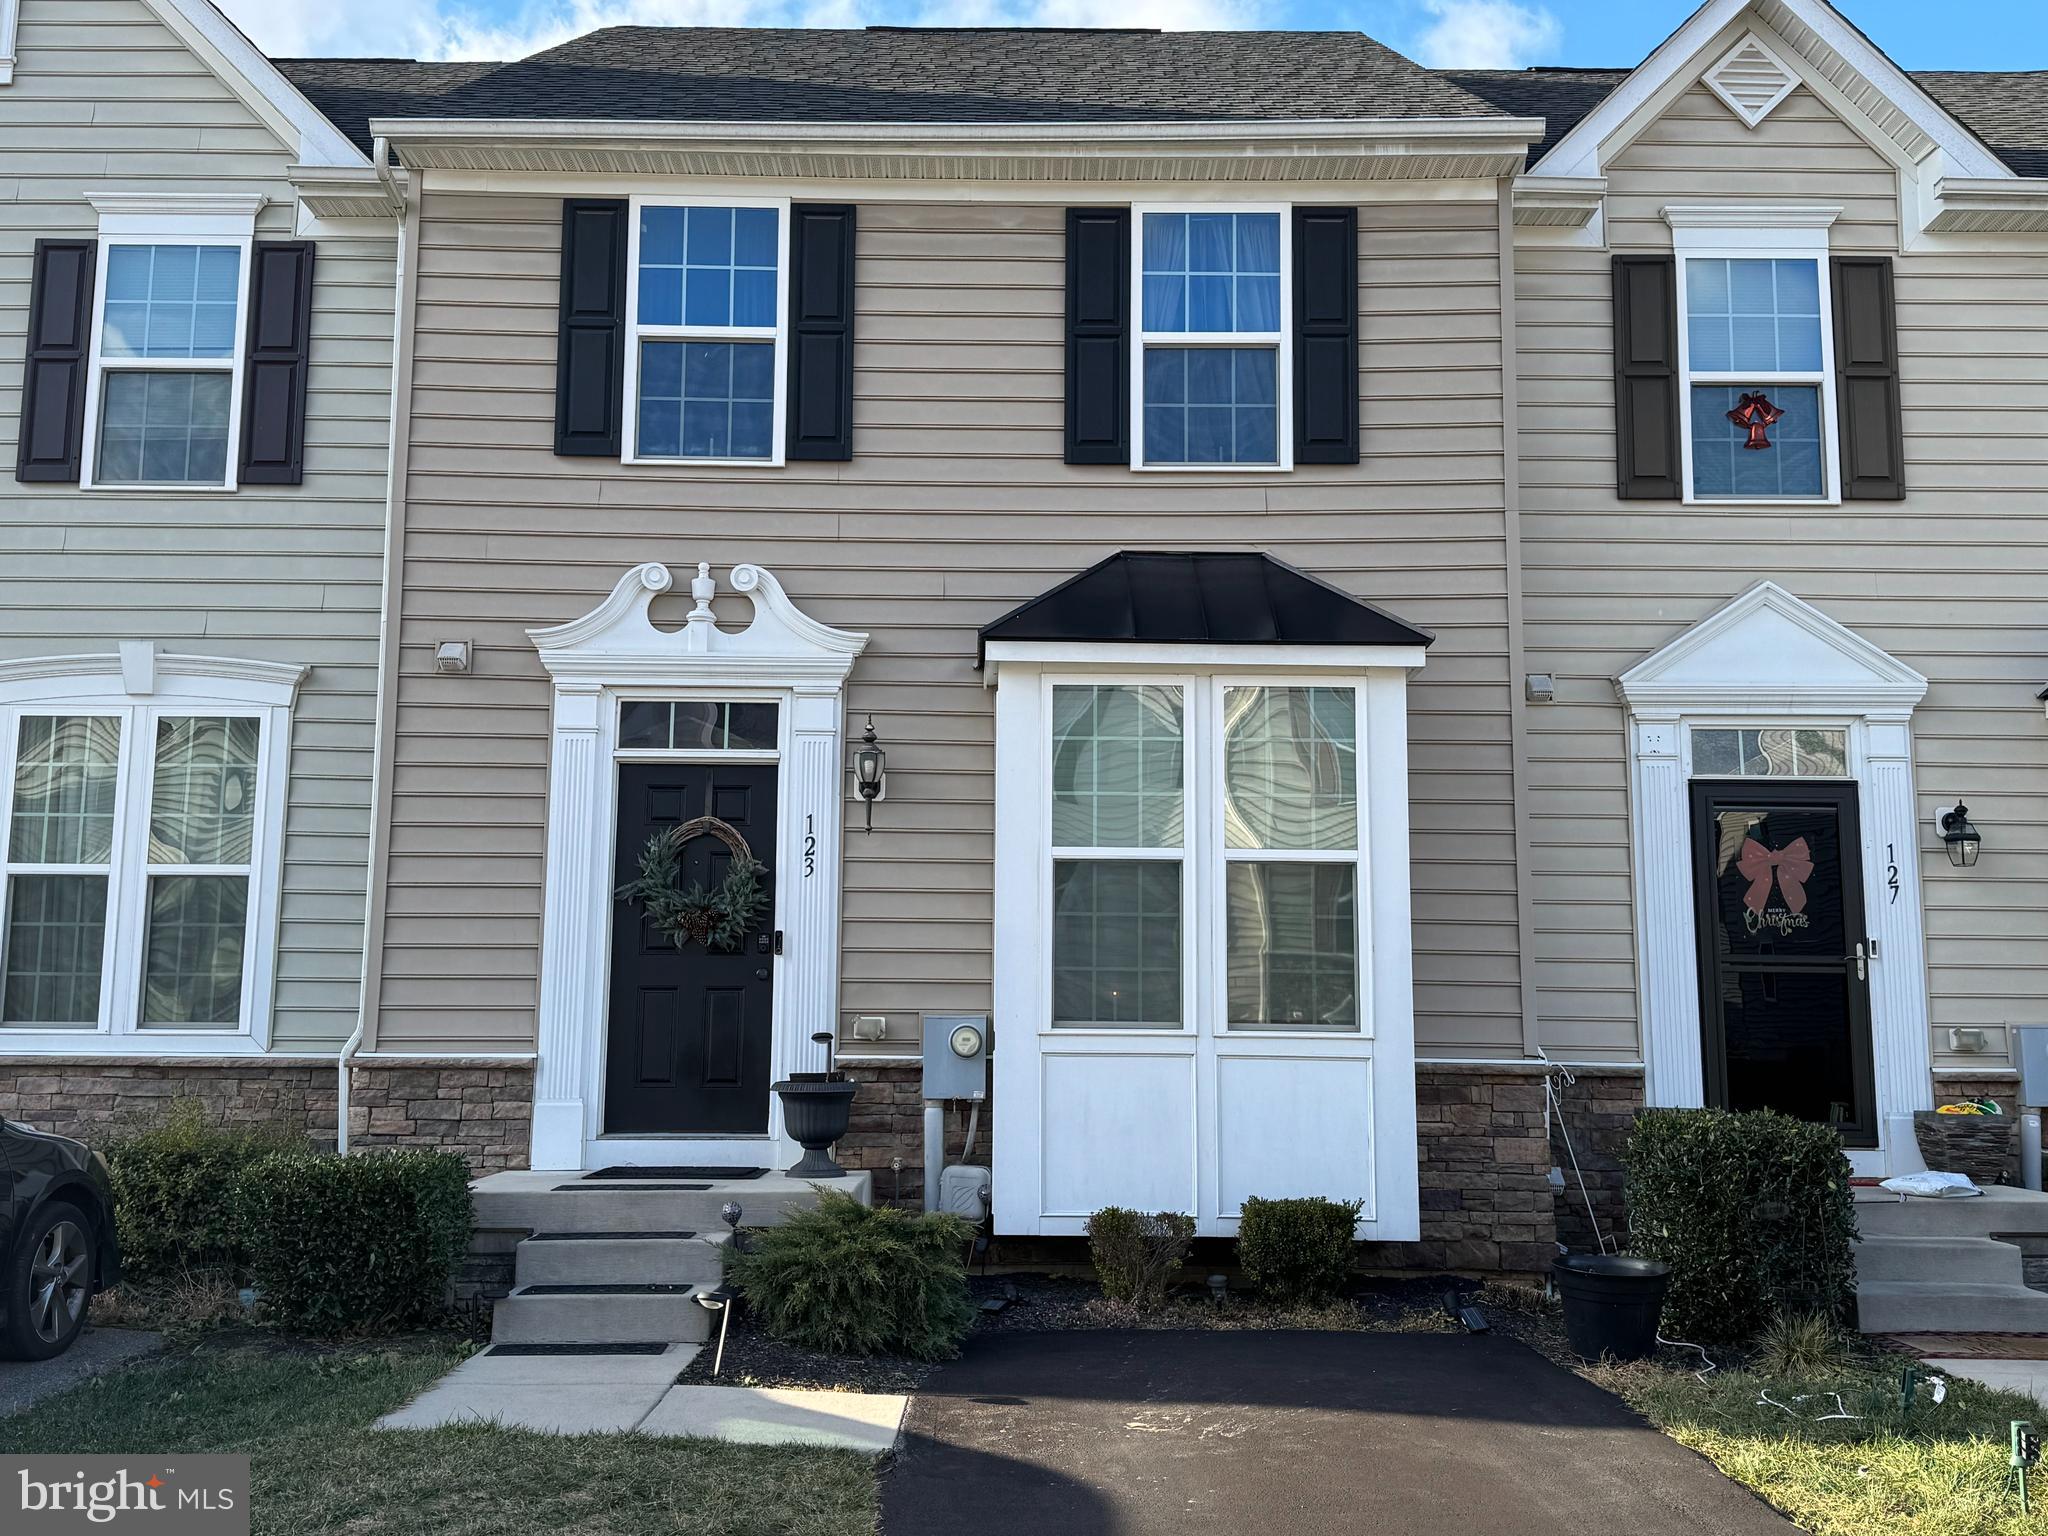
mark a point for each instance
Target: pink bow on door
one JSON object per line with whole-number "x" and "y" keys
{"x": 1792, "y": 864}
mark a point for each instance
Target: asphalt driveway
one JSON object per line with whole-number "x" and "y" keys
{"x": 1289, "y": 1434}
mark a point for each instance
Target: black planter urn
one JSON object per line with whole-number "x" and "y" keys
{"x": 816, "y": 1111}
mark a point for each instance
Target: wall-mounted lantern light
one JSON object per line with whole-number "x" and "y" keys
{"x": 1962, "y": 840}
{"x": 870, "y": 771}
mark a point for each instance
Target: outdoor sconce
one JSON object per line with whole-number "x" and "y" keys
{"x": 1962, "y": 840}
{"x": 870, "y": 770}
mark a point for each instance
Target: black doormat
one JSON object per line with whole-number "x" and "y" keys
{"x": 635, "y": 1189}
{"x": 576, "y": 1349}
{"x": 605, "y": 1237}
{"x": 683, "y": 1171}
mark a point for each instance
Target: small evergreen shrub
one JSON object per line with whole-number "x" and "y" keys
{"x": 174, "y": 1192}
{"x": 856, "y": 1280}
{"x": 354, "y": 1244}
{"x": 1137, "y": 1255}
{"x": 1752, "y": 1212}
{"x": 1801, "y": 1347}
{"x": 1298, "y": 1252}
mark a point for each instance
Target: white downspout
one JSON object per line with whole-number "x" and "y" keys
{"x": 380, "y": 157}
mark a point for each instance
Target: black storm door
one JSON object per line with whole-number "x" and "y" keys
{"x": 689, "y": 1040}
{"x": 1784, "y": 988}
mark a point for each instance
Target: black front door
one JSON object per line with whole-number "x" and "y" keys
{"x": 689, "y": 1040}
{"x": 1784, "y": 990}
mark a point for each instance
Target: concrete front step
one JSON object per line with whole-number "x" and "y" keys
{"x": 1938, "y": 1260}
{"x": 567, "y": 1202}
{"x": 601, "y": 1315}
{"x": 1897, "y": 1306}
{"x": 1998, "y": 1211}
{"x": 639, "y": 1258}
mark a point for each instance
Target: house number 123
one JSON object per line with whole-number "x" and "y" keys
{"x": 810, "y": 845}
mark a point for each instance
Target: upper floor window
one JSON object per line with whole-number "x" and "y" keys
{"x": 163, "y": 406}
{"x": 1756, "y": 355}
{"x": 1212, "y": 371}
{"x": 705, "y": 367}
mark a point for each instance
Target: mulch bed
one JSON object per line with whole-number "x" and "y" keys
{"x": 1031, "y": 1303}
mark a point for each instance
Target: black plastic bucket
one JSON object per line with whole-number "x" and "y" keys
{"x": 1611, "y": 1304}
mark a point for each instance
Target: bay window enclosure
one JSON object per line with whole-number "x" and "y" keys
{"x": 141, "y": 844}
{"x": 1212, "y": 374}
{"x": 705, "y": 365}
{"x": 1222, "y": 895}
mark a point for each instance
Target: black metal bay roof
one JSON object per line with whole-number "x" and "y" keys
{"x": 1173, "y": 598}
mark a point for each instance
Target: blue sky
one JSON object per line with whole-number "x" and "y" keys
{"x": 1998, "y": 34}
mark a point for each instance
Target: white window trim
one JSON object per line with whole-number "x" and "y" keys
{"x": 10, "y": 23}
{"x": 1282, "y": 341}
{"x": 637, "y": 333}
{"x": 139, "y": 687}
{"x": 196, "y": 219}
{"x": 1758, "y": 233}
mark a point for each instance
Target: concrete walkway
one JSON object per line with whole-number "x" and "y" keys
{"x": 593, "y": 1394}
{"x": 1290, "y": 1434}
{"x": 2028, "y": 1376}
{"x": 98, "y": 1350}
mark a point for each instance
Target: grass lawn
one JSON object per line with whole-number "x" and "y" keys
{"x": 304, "y": 1420}
{"x": 1932, "y": 1470}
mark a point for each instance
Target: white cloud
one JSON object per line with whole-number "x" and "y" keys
{"x": 1486, "y": 34}
{"x": 479, "y": 29}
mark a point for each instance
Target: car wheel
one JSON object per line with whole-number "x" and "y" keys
{"x": 49, "y": 1285}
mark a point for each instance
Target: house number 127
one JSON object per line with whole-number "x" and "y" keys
{"x": 1891, "y": 870}
{"x": 810, "y": 845}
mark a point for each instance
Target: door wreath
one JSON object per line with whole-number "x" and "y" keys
{"x": 716, "y": 918}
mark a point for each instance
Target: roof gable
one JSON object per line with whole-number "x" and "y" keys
{"x": 1147, "y": 597}
{"x": 304, "y": 133}
{"x": 1769, "y": 647}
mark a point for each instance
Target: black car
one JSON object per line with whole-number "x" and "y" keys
{"x": 57, "y": 1244}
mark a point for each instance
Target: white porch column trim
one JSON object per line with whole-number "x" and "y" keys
{"x": 1768, "y": 657}
{"x": 616, "y": 646}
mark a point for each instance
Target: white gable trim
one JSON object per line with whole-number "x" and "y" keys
{"x": 1680, "y": 58}
{"x": 10, "y": 21}
{"x": 305, "y": 134}
{"x": 1770, "y": 650}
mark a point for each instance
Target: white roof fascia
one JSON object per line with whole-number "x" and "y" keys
{"x": 305, "y": 133}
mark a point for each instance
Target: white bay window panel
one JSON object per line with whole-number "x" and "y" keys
{"x": 143, "y": 848}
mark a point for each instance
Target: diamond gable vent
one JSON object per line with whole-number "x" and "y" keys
{"x": 1751, "y": 80}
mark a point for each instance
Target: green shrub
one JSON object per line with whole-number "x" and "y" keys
{"x": 1801, "y": 1347}
{"x": 1137, "y": 1255}
{"x": 174, "y": 1192}
{"x": 354, "y": 1244}
{"x": 1297, "y": 1252}
{"x": 855, "y": 1280}
{"x": 1752, "y": 1212}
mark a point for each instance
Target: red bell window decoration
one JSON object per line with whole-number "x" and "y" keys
{"x": 1755, "y": 414}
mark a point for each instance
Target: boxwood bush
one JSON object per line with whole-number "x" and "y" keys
{"x": 1298, "y": 1251}
{"x": 859, "y": 1280}
{"x": 1137, "y": 1254}
{"x": 1752, "y": 1212}
{"x": 354, "y": 1244}
{"x": 174, "y": 1191}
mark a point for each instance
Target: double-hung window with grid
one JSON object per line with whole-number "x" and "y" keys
{"x": 705, "y": 365}
{"x": 1211, "y": 371}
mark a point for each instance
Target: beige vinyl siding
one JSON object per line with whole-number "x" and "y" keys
{"x": 956, "y": 507}
{"x": 1953, "y": 580}
{"x": 106, "y": 97}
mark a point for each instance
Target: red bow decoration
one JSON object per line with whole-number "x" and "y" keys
{"x": 1792, "y": 864}
{"x": 1755, "y": 413}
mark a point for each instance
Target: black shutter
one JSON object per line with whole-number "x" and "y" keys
{"x": 590, "y": 354}
{"x": 274, "y": 390}
{"x": 52, "y": 421}
{"x": 1867, "y": 380}
{"x": 1098, "y": 335}
{"x": 820, "y": 331}
{"x": 1646, "y": 382}
{"x": 1326, "y": 335}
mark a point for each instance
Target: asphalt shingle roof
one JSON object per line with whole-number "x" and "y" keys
{"x": 905, "y": 75}
{"x": 2007, "y": 110}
